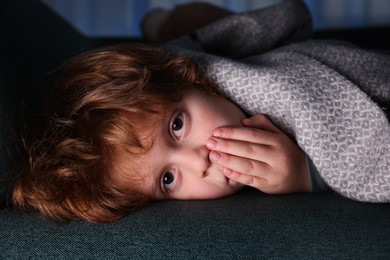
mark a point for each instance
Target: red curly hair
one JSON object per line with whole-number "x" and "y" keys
{"x": 71, "y": 173}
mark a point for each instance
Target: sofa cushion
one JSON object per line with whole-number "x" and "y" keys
{"x": 249, "y": 225}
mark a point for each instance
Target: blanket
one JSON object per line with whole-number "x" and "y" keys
{"x": 330, "y": 96}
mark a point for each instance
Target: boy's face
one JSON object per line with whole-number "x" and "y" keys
{"x": 177, "y": 166}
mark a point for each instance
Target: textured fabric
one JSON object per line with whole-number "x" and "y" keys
{"x": 257, "y": 31}
{"x": 249, "y": 225}
{"x": 327, "y": 95}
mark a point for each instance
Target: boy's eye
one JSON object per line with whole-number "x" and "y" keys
{"x": 168, "y": 180}
{"x": 177, "y": 126}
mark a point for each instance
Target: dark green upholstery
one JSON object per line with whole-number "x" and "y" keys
{"x": 248, "y": 225}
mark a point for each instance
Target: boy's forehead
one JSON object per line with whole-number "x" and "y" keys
{"x": 137, "y": 169}
{"x": 138, "y": 161}
{"x": 149, "y": 127}
{"x": 133, "y": 163}
{"x": 146, "y": 121}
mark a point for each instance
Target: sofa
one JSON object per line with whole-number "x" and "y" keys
{"x": 249, "y": 225}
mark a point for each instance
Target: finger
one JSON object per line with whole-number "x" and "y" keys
{"x": 248, "y": 180}
{"x": 240, "y": 164}
{"x": 253, "y": 151}
{"x": 246, "y": 134}
{"x": 261, "y": 122}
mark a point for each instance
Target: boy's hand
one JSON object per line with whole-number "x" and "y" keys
{"x": 260, "y": 155}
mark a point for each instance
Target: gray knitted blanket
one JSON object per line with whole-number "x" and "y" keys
{"x": 329, "y": 96}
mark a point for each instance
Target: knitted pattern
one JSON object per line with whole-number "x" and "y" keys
{"x": 324, "y": 94}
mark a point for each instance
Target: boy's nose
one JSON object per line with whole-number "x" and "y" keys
{"x": 195, "y": 160}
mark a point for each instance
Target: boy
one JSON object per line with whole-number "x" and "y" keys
{"x": 130, "y": 122}
{"x": 134, "y": 124}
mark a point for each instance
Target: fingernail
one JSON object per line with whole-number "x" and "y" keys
{"x": 214, "y": 156}
{"x": 218, "y": 133}
{"x": 212, "y": 144}
{"x": 246, "y": 120}
{"x": 227, "y": 171}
